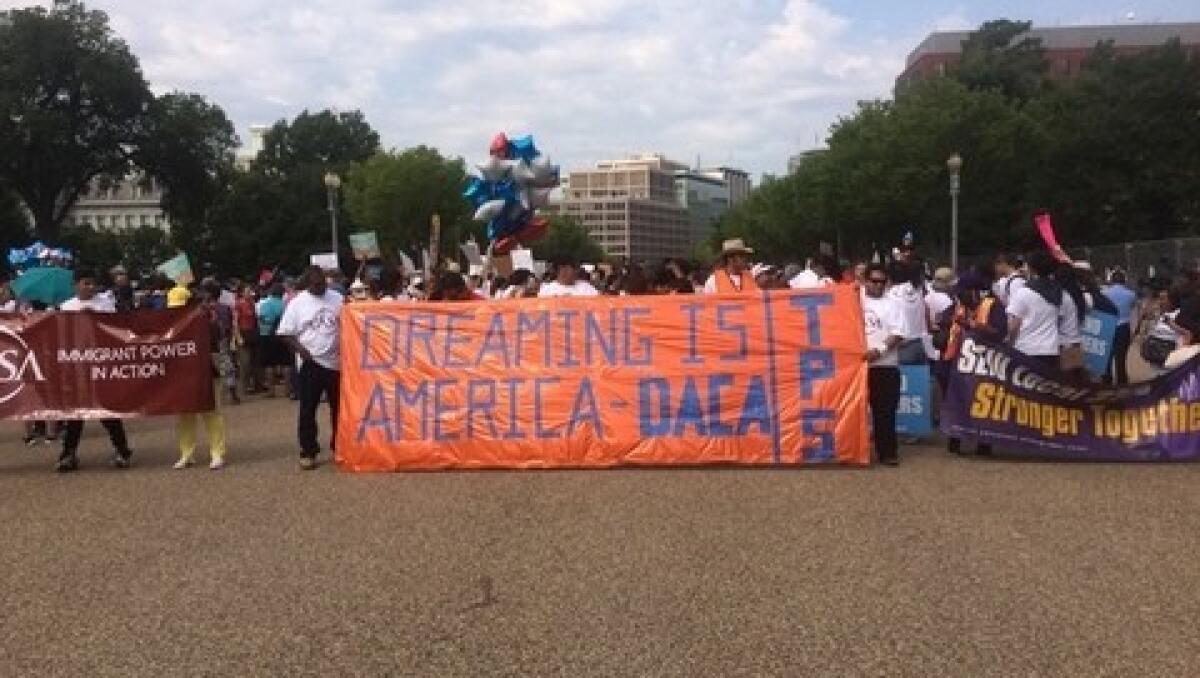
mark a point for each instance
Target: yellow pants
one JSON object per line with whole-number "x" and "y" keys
{"x": 214, "y": 423}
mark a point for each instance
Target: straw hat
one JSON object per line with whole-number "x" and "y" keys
{"x": 735, "y": 246}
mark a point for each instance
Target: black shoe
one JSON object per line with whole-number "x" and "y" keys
{"x": 121, "y": 458}
{"x": 954, "y": 446}
{"x": 890, "y": 461}
{"x": 31, "y": 441}
{"x": 983, "y": 450}
{"x": 67, "y": 462}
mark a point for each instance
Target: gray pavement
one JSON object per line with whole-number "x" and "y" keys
{"x": 942, "y": 567}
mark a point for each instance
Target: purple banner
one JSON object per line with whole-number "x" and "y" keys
{"x": 999, "y": 396}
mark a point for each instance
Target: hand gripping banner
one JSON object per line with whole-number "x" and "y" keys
{"x": 776, "y": 378}
{"x": 104, "y": 365}
{"x": 999, "y": 396}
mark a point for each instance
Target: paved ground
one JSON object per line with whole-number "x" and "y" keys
{"x": 940, "y": 567}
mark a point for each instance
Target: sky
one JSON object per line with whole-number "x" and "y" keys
{"x": 743, "y": 83}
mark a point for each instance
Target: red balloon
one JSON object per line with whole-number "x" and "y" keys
{"x": 505, "y": 245}
{"x": 537, "y": 228}
{"x": 499, "y": 147}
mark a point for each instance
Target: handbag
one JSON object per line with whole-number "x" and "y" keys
{"x": 1156, "y": 349}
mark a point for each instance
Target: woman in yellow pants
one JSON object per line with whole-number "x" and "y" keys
{"x": 221, "y": 328}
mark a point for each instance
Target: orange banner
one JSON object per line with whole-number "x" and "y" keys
{"x": 769, "y": 378}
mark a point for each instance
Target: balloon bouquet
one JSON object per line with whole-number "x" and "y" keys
{"x": 513, "y": 184}
{"x": 38, "y": 255}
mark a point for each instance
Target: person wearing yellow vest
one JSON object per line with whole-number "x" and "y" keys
{"x": 734, "y": 275}
{"x": 974, "y": 311}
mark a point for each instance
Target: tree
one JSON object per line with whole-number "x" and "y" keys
{"x": 566, "y": 238}
{"x": 14, "y": 225}
{"x": 991, "y": 60}
{"x": 396, "y": 194}
{"x": 187, "y": 145}
{"x": 275, "y": 213}
{"x": 72, "y": 103}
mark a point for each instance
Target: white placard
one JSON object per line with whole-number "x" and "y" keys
{"x": 471, "y": 251}
{"x": 523, "y": 258}
{"x": 327, "y": 261}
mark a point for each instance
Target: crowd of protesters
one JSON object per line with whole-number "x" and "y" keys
{"x": 277, "y": 336}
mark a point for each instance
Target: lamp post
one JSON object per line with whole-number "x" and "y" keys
{"x": 332, "y": 183}
{"x": 954, "y": 165}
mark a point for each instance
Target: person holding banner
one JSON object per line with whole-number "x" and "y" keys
{"x": 566, "y": 282}
{"x": 884, "y": 328}
{"x": 974, "y": 312}
{"x": 733, "y": 275}
{"x": 1188, "y": 322}
{"x": 86, "y": 299}
{"x": 220, "y": 324}
{"x": 310, "y": 327}
{"x": 1125, "y": 300}
{"x": 1034, "y": 311}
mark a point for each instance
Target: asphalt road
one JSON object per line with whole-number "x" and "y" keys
{"x": 941, "y": 567}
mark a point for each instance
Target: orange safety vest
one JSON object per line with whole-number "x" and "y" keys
{"x": 954, "y": 344}
{"x": 725, "y": 283}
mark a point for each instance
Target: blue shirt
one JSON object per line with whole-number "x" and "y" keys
{"x": 270, "y": 310}
{"x": 1124, "y": 299}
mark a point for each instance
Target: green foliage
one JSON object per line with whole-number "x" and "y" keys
{"x": 566, "y": 238}
{"x": 993, "y": 59}
{"x": 397, "y": 193}
{"x": 139, "y": 249}
{"x": 1115, "y": 156}
{"x": 187, "y": 145}
{"x": 72, "y": 104}
{"x": 276, "y": 214}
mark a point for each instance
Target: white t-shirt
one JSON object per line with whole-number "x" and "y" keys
{"x": 557, "y": 289}
{"x": 1004, "y": 288}
{"x": 808, "y": 279}
{"x": 911, "y": 303}
{"x": 937, "y": 303}
{"x": 313, "y": 321}
{"x": 99, "y": 303}
{"x": 883, "y": 319}
{"x": 1068, "y": 322}
{"x": 710, "y": 285}
{"x": 1181, "y": 355}
{"x": 1039, "y": 322}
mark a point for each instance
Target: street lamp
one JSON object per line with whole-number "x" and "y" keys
{"x": 332, "y": 183}
{"x": 954, "y": 165}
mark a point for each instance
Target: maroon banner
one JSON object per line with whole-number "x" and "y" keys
{"x": 104, "y": 365}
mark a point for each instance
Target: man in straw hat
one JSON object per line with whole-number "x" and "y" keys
{"x": 733, "y": 276}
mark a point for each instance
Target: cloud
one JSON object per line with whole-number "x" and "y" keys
{"x": 747, "y": 82}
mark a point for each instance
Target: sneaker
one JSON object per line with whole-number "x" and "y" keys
{"x": 308, "y": 463}
{"x": 67, "y": 462}
{"x": 31, "y": 441}
{"x": 954, "y": 446}
{"x": 121, "y": 458}
{"x": 216, "y": 465}
{"x": 182, "y": 464}
{"x": 892, "y": 461}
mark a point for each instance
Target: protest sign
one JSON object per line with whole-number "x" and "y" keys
{"x": 178, "y": 269}
{"x": 1001, "y": 397}
{"x": 522, "y": 258}
{"x": 326, "y": 262}
{"x": 771, "y": 378}
{"x": 914, "y": 414}
{"x": 1098, "y": 330}
{"x": 104, "y": 365}
{"x": 364, "y": 245}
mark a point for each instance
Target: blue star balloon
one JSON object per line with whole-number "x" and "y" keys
{"x": 522, "y": 148}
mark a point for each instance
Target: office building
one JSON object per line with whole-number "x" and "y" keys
{"x": 1065, "y": 48}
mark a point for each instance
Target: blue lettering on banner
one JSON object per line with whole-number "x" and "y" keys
{"x": 1097, "y": 333}
{"x": 812, "y": 304}
{"x": 485, "y": 407}
{"x": 421, "y": 327}
{"x": 376, "y": 416}
{"x": 914, "y": 413}
{"x": 693, "y": 313}
{"x": 454, "y": 338}
{"x": 443, "y": 410}
{"x": 816, "y": 426}
{"x": 651, "y": 392}
{"x": 585, "y": 410}
{"x": 594, "y": 337}
{"x": 372, "y": 323}
{"x": 755, "y": 409}
{"x": 525, "y": 325}
{"x": 690, "y": 413}
{"x": 569, "y": 359}
{"x": 539, "y": 430}
{"x": 739, "y": 330}
{"x": 514, "y": 431}
{"x": 815, "y": 365}
{"x": 716, "y": 427}
{"x": 645, "y": 343}
{"x": 494, "y": 343}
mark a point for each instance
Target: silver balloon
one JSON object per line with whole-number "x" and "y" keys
{"x": 489, "y": 210}
{"x": 495, "y": 169}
